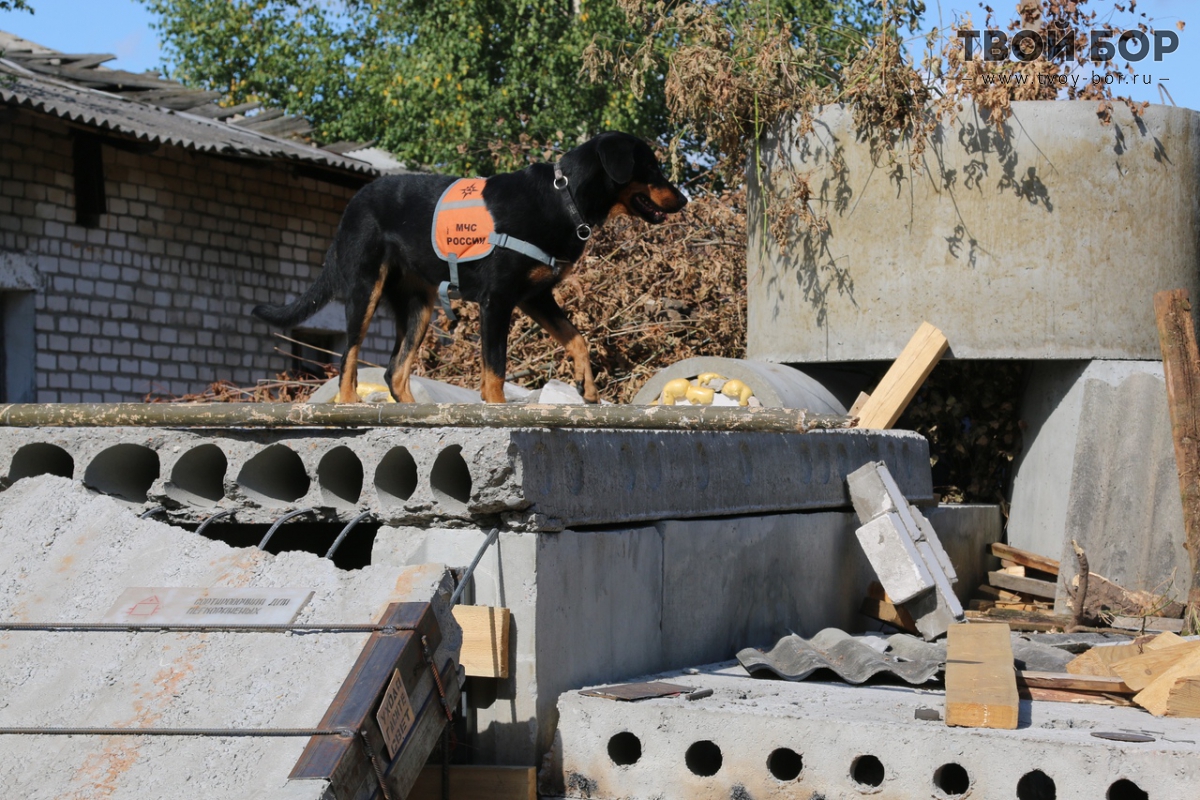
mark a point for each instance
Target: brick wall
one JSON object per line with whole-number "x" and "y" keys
{"x": 157, "y": 297}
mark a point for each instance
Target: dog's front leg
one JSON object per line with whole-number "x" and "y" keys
{"x": 495, "y": 317}
{"x": 545, "y": 311}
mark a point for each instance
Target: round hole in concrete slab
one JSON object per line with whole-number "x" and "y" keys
{"x": 1126, "y": 789}
{"x": 198, "y": 477}
{"x": 396, "y": 477}
{"x": 40, "y": 459}
{"x": 624, "y": 749}
{"x": 123, "y": 470}
{"x": 1036, "y": 785}
{"x": 340, "y": 476}
{"x": 785, "y": 764}
{"x": 703, "y": 758}
{"x": 867, "y": 771}
{"x": 450, "y": 478}
{"x": 274, "y": 475}
{"x": 951, "y": 780}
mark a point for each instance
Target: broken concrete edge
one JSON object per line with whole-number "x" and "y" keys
{"x": 277, "y": 415}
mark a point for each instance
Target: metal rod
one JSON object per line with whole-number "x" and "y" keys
{"x": 465, "y": 415}
{"x": 342, "y": 536}
{"x": 249, "y": 627}
{"x": 229, "y": 732}
{"x": 214, "y": 518}
{"x": 462, "y": 584}
{"x": 150, "y": 512}
{"x": 271, "y": 531}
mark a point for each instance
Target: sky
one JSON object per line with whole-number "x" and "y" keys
{"x": 122, "y": 27}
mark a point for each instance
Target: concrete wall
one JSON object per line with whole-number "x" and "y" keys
{"x": 1045, "y": 241}
{"x": 157, "y": 296}
{"x": 1098, "y": 466}
{"x": 596, "y": 606}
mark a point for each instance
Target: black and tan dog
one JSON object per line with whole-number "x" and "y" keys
{"x": 388, "y": 247}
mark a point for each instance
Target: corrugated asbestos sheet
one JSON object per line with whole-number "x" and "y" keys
{"x": 852, "y": 658}
{"x": 35, "y": 81}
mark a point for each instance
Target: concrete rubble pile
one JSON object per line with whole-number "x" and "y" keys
{"x": 67, "y": 554}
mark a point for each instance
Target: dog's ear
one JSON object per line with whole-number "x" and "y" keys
{"x": 616, "y": 156}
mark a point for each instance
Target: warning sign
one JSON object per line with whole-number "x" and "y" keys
{"x": 395, "y": 716}
{"x": 190, "y": 606}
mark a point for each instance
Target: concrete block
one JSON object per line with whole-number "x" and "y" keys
{"x": 933, "y": 613}
{"x": 991, "y": 207}
{"x": 889, "y": 548}
{"x": 67, "y": 555}
{"x": 771, "y": 740}
{"x": 591, "y": 606}
{"x": 533, "y": 479}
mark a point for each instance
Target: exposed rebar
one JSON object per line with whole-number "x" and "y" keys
{"x": 271, "y": 531}
{"x": 223, "y": 732}
{"x": 346, "y": 530}
{"x": 214, "y": 518}
{"x": 462, "y": 583}
{"x": 203, "y": 627}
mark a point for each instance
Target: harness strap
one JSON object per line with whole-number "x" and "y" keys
{"x": 582, "y": 229}
{"x": 448, "y": 290}
{"x": 523, "y": 247}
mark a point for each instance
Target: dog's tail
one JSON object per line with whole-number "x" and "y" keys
{"x": 316, "y": 297}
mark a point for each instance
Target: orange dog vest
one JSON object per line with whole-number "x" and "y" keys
{"x": 463, "y": 230}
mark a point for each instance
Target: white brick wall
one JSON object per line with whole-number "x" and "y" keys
{"x": 157, "y": 298}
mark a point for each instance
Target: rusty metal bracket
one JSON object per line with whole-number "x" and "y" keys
{"x": 347, "y": 764}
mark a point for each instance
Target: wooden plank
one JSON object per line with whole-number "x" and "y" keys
{"x": 1067, "y": 696}
{"x": 1155, "y": 698}
{"x": 1074, "y": 683}
{"x": 1025, "y": 558}
{"x": 1016, "y": 583}
{"x": 1140, "y": 671}
{"x": 992, "y": 593}
{"x": 907, "y": 373}
{"x": 981, "y": 684}
{"x": 1148, "y": 624}
{"x": 477, "y": 783}
{"x": 896, "y": 616}
{"x": 1099, "y": 660}
{"x": 1181, "y": 369}
{"x": 859, "y": 402}
{"x": 1184, "y": 698}
{"x": 1012, "y": 569}
{"x": 485, "y": 640}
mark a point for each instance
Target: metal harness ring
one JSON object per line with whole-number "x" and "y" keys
{"x": 583, "y": 231}
{"x": 560, "y": 177}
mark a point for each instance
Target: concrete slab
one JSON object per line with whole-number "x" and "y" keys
{"x": 67, "y": 554}
{"x": 592, "y": 606}
{"x": 984, "y": 219}
{"x": 534, "y": 479}
{"x": 777, "y": 739}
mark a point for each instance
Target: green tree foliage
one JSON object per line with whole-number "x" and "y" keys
{"x": 15, "y": 5}
{"x": 434, "y": 81}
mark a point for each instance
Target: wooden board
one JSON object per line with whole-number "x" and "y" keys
{"x": 485, "y": 640}
{"x": 1025, "y": 558}
{"x": 907, "y": 373}
{"x": 1184, "y": 698}
{"x": 1155, "y": 698}
{"x": 1016, "y": 583}
{"x": 1099, "y": 660}
{"x": 1067, "y": 696}
{"x": 896, "y": 616}
{"x": 1074, "y": 683}
{"x": 1140, "y": 671}
{"x": 992, "y": 593}
{"x": 477, "y": 783}
{"x": 981, "y": 684}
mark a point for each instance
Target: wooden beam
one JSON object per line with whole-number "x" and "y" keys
{"x": 1156, "y": 697}
{"x": 485, "y": 640}
{"x": 1073, "y": 683}
{"x": 893, "y": 615}
{"x": 477, "y": 783}
{"x": 981, "y": 684}
{"x": 1099, "y": 660}
{"x": 1067, "y": 696}
{"x": 1140, "y": 671}
{"x": 1025, "y": 558}
{"x": 907, "y": 373}
{"x": 1023, "y": 585}
{"x": 1183, "y": 700}
{"x": 1181, "y": 368}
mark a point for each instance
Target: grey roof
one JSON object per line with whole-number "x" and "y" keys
{"x": 75, "y": 87}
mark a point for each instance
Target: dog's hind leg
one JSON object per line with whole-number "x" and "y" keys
{"x": 412, "y": 303}
{"x": 545, "y": 311}
{"x": 360, "y": 307}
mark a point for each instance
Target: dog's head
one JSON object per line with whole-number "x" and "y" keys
{"x": 633, "y": 180}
